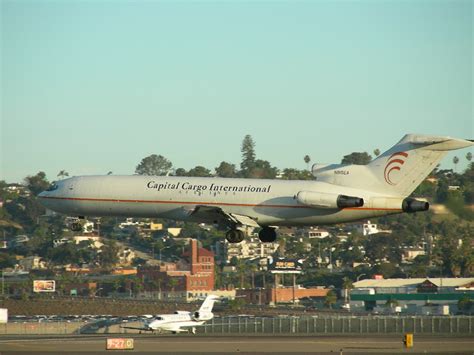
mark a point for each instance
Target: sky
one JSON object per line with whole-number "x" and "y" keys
{"x": 95, "y": 86}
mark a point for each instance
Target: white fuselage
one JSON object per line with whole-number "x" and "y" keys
{"x": 268, "y": 202}
{"x": 172, "y": 322}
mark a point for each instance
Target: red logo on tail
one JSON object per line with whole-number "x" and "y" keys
{"x": 395, "y": 162}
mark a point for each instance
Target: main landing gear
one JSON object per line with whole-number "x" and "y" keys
{"x": 267, "y": 235}
{"x": 235, "y": 236}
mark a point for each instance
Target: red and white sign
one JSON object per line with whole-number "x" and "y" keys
{"x": 119, "y": 344}
{"x": 44, "y": 286}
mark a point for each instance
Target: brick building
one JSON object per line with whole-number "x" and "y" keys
{"x": 190, "y": 278}
{"x": 201, "y": 276}
{"x": 280, "y": 294}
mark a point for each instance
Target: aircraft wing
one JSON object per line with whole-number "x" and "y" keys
{"x": 212, "y": 214}
{"x": 137, "y": 328}
{"x": 175, "y": 328}
{"x": 226, "y": 324}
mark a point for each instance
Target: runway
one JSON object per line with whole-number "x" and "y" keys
{"x": 239, "y": 344}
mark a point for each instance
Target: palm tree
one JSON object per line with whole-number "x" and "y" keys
{"x": 241, "y": 269}
{"x": 455, "y": 161}
{"x": 172, "y": 283}
{"x": 346, "y": 285}
{"x": 469, "y": 156}
{"x": 307, "y": 159}
{"x": 253, "y": 268}
{"x": 62, "y": 174}
{"x": 330, "y": 299}
{"x": 377, "y": 152}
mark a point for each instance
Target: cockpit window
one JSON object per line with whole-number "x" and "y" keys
{"x": 52, "y": 187}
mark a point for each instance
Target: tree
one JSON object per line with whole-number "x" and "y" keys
{"x": 357, "y": 158}
{"x": 172, "y": 283}
{"x": 108, "y": 256}
{"x": 241, "y": 270}
{"x": 263, "y": 170}
{"x": 295, "y": 174}
{"x": 382, "y": 246}
{"x": 469, "y": 156}
{"x": 37, "y": 183}
{"x": 236, "y": 304}
{"x": 199, "y": 171}
{"x": 455, "y": 161}
{"x": 347, "y": 285}
{"x": 291, "y": 174}
{"x": 180, "y": 172}
{"x": 307, "y": 159}
{"x": 154, "y": 165}
{"x": 465, "y": 304}
{"x": 6, "y": 260}
{"x": 248, "y": 155}
{"x": 62, "y": 174}
{"x": 226, "y": 170}
{"x": 330, "y": 299}
{"x": 376, "y": 152}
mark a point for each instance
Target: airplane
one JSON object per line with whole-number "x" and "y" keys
{"x": 179, "y": 320}
{"x": 339, "y": 193}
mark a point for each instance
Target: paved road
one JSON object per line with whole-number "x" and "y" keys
{"x": 238, "y": 344}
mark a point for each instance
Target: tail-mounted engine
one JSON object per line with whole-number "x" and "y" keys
{"x": 328, "y": 200}
{"x": 200, "y": 316}
{"x": 411, "y": 205}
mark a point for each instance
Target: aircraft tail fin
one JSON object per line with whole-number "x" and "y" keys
{"x": 208, "y": 304}
{"x": 399, "y": 170}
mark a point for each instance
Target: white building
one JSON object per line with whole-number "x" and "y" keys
{"x": 249, "y": 248}
{"x": 368, "y": 228}
{"x": 32, "y": 263}
{"x": 410, "y": 254}
{"x": 93, "y": 240}
{"x": 317, "y": 233}
{"x": 126, "y": 256}
{"x": 415, "y": 296}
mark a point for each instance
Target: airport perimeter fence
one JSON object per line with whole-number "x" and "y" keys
{"x": 317, "y": 325}
{"x": 432, "y": 325}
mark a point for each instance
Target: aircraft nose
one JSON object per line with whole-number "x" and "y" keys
{"x": 42, "y": 198}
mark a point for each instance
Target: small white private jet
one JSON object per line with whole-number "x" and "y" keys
{"x": 339, "y": 193}
{"x": 180, "y": 321}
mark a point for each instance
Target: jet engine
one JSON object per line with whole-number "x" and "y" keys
{"x": 411, "y": 205}
{"x": 328, "y": 200}
{"x": 201, "y": 316}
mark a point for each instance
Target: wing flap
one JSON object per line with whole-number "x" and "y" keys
{"x": 216, "y": 215}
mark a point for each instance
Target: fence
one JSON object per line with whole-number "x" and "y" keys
{"x": 340, "y": 325}
{"x": 41, "y": 328}
{"x": 320, "y": 325}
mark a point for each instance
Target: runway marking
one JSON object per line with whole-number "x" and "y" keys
{"x": 213, "y": 341}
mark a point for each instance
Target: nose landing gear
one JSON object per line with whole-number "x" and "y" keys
{"x": 75, "y": 224}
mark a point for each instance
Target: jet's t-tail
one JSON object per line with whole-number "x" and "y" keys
{"x": 398, "y": 171}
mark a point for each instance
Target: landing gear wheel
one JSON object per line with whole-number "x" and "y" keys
{"x": 76, "y": 227}
{"x": 267, "y": 235}
{"x": 234, "y": 236}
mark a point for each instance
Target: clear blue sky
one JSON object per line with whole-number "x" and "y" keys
{"x": 95, "y": 86}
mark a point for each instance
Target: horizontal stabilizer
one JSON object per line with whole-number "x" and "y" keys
{"x": 399, "y": 170}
